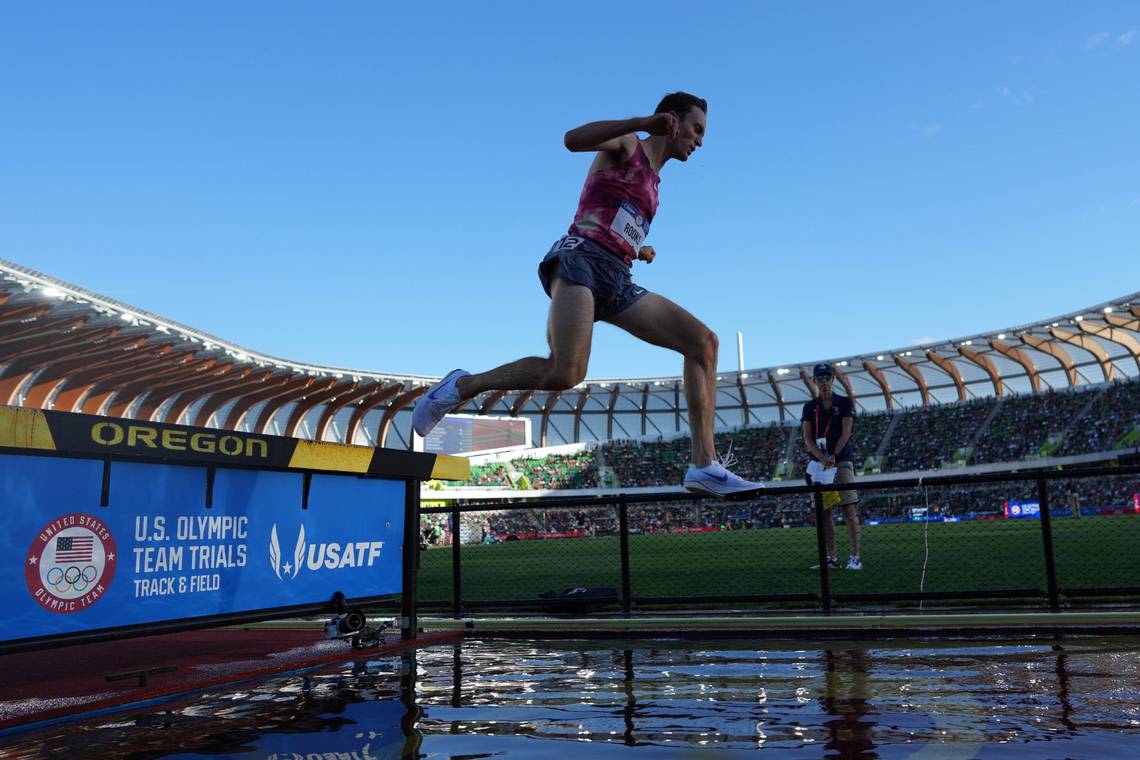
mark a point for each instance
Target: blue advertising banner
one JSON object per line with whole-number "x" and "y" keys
{"x": 1018, "y": 509}
{"x": 156, "y": 553}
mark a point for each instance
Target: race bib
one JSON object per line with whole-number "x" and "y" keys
{"x": 631, "y": 225}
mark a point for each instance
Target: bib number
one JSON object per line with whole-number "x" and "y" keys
{"x": 630, "y": 225}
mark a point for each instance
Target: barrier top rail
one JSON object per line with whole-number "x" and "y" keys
{"x": 88, "y": 435}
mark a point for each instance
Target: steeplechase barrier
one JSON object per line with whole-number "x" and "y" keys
{"x": 115, "y": 527}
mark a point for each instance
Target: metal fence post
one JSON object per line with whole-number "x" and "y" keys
{"x": 821, "y": 545}
{"x": 411, "y": 559}
{"x": 456, "y": 575}
{"x": 1047, "y": 542}
{"x": 623, "y": 539}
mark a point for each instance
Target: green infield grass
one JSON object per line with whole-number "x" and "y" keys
{"x": 974, "y": 556}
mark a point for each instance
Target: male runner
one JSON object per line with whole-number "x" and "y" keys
{"x": 587, "y": 276}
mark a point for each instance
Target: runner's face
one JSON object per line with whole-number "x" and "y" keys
{"x": 690, "y": 135}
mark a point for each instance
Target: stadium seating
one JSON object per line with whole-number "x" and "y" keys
{"x": 1013, "y": 428}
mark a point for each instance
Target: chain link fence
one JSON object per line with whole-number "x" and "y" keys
{"x": 1044, "y": 539}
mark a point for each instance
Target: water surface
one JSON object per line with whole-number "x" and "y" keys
{"x": 1042, "y": 698}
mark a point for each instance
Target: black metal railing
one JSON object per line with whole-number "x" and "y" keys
{"x": 1017, "y": 537}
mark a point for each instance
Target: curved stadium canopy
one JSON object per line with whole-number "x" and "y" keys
{"x": 65, "y": 348}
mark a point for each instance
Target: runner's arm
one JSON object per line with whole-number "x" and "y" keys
{"x": 618, "y": 136}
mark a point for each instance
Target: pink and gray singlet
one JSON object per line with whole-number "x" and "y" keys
{"x": 617, "y": 206}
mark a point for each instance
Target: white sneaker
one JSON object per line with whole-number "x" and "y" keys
{"x": 832, "y": 564}
{"x": 718, "y": 481}
{"x": 853, "y": 563}
{"x": 434, "y": 405}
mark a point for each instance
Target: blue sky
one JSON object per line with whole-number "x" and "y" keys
{"x": 370, "y": 185}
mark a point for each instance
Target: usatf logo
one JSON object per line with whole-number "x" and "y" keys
{"x": 323, "y": 556}
{"x": 71, "y": 563}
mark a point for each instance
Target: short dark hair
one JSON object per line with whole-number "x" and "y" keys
{"x": 681, "y": 103}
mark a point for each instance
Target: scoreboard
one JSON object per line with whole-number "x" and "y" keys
{"x": 471, "y": 434}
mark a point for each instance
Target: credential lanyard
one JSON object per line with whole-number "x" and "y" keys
{"x": 828, "y": 428}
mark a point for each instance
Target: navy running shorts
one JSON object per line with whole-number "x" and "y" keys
{"x": 583, "y": 262}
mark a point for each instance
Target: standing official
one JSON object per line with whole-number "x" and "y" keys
{"x": 827, "y": 422}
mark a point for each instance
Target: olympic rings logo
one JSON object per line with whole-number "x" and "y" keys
{"x": 72, "y": 579}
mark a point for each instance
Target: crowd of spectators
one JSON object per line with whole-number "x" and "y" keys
{"x": 491, "y": 474}
{"x": 1114, "y": 414}
{"x": 928, "y": 436}
{"x": 1024, "y": 423}
{"x": 757, "y": 452}
{"x": 579, "y": 470}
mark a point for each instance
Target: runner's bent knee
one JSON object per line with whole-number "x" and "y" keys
{"x": 704, "y": 347}
{"x": 561, "y": 376}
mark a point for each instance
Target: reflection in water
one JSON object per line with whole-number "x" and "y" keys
{"x": 923, "y": 699}
{"x": 846, "y": 699}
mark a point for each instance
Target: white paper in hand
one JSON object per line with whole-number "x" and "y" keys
{"x": 820, "y": 474}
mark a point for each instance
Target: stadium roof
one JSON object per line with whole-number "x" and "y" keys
{"x": 66, "y": 348}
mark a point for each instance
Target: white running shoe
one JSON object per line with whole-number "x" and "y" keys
{"x": 434, "y": 405}
{"x": 853, "y": 563}
{"x": 718, "y": 481}
{"x": 832, "y": 564}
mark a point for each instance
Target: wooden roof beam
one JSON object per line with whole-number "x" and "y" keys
{"x": 219, "y": 396}
{"x": 55, "y": 376}
{"x": 107, "y": 385}
{"x": 523, "y": 397}
{"x": 1113, "y": 334}
{"x": 915, "y": 375}
{"x": 614, "y": 395}
{"x": 583, "y": 396}
{"x": 195, "y": 376}
{"x": 155, "y": 382}
{"x": 343, "y": 401}
{"x": 281, "y": 384}
{"x": 984, "y": 362}
{"x": 881, "y": 379}
{"x": 778, "y": 394}
{"x": 948, "y": 367}
{"x": 489, "y": 402}
{"x": 273, "y": 405}
{"x": 1090, "y": 345}
{"x": 204, "y": 391}
{"x": 841, "y": 376}
{"x": 367, "y": 405}
{"x": 1022, "y": 358}
{"x": 551, "y": 399}
{"x": 40, "y": 327}
{"x": 21, "y": 368}
{"x": 311, "y": 401}
{"x": 393, "y": 409}
{"x": 1058, "y": 353}
{"x": 809, "y": 383}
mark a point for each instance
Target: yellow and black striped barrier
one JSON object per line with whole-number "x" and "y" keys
{"x": 86, "y": 434}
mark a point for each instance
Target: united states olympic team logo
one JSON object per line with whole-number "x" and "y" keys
{"x": 71, "y": 563}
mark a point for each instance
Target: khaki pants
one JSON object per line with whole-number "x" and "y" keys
{"x": 844, "y": 473}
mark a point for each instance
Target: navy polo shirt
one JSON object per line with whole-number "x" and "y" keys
{"x": 829, "y": 422}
